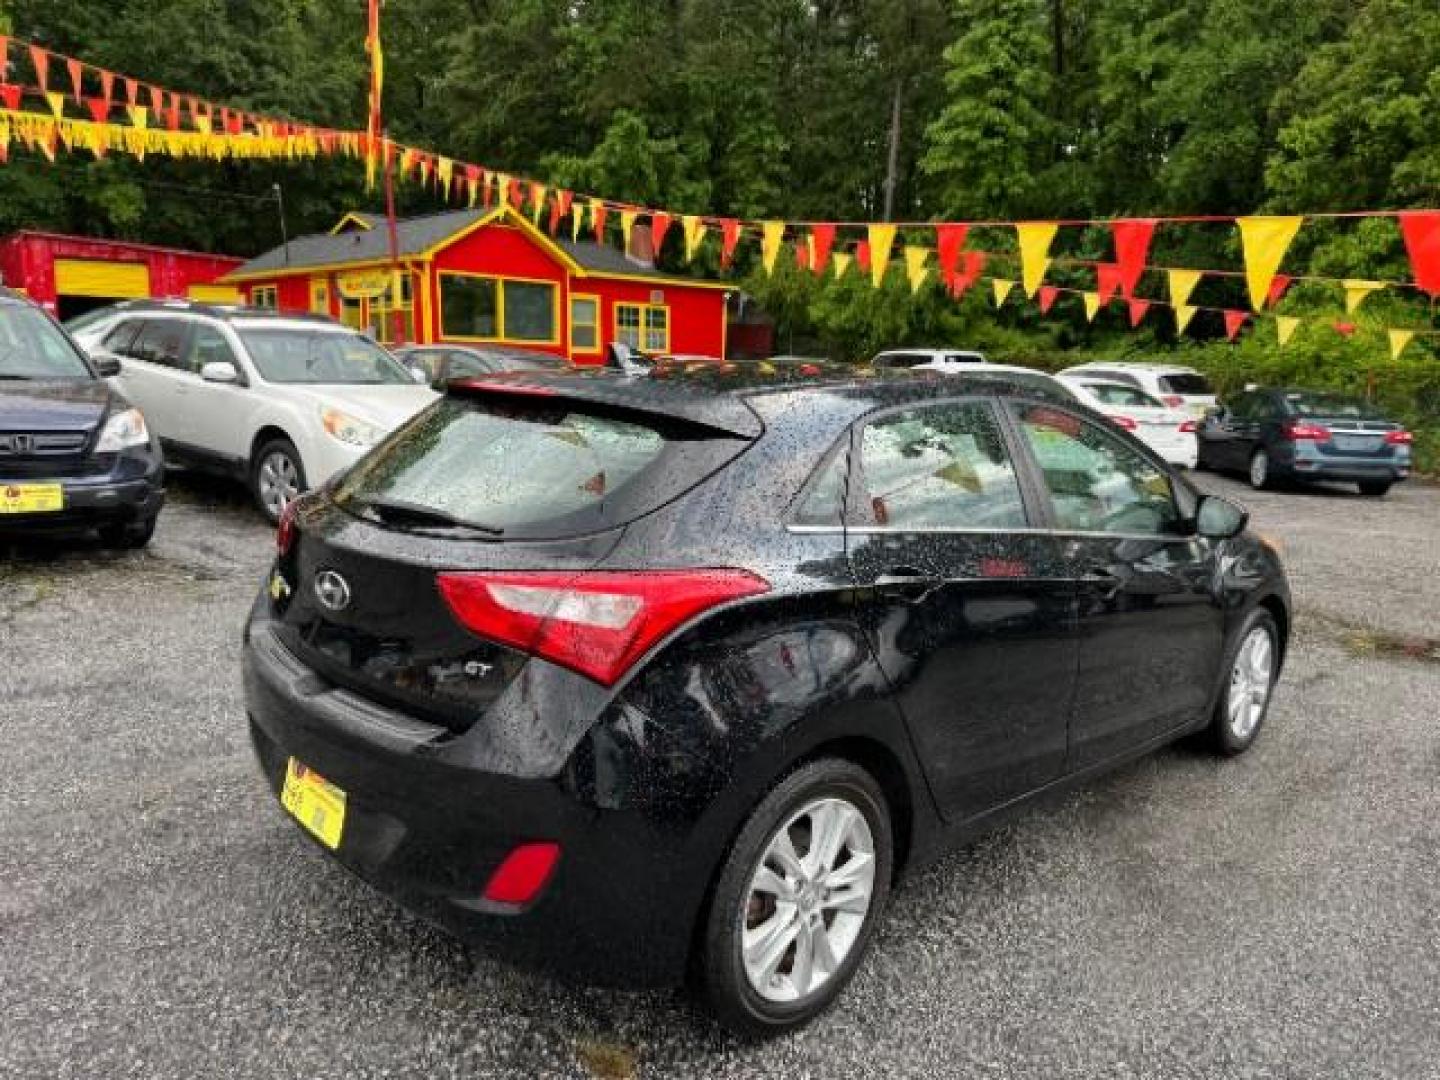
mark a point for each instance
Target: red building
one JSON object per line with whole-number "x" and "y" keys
{"x": 491, "y": 277}
{"x": 69, "y": 275}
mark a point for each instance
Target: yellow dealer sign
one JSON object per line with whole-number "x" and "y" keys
{"x": 363, "y": 284}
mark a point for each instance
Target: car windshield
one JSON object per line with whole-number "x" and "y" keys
{"x": 320, "y": 356}
{"x": 1188, "y": 384}
{"x": 1125, "y": 396}
{"x": 32, "y": 347}
{"x": 1331, "y": 406}
{"x": 524, "y": 360}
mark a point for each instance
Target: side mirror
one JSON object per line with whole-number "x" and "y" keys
{"x": 107, "y": 364}
{"x": 419, "y": 375}
{"x": 220, "y": 371}
{"x": 1220, "y": 519}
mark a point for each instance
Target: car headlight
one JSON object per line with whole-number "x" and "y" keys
{"x": 122, "y": 431}
{"x": 350, "y": 430}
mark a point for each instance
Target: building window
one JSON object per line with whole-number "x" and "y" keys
{"x": 645, "y": 327}
{"x": 499, "y": 309}
{"x": 385, "y": 313}
{"x": 320, "y": 296}
{"x": 584, "y": 324}
{"x": 265, "y": 296}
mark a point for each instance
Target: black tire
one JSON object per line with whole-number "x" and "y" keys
{"x": 1223, "y": 735}
{"x": 721, "y": 973}
{"x": 1374, "y": 489}
{"x": 129, "y": 536}
{"x": 259, "y": 484}
{"x": 1261, "y": 474}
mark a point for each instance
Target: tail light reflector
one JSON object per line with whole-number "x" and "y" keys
{"x": 1174, "y": 401}
{"x": 519, "y": 879}
{"x": 1300, "y": 431}
{"x": 595, "y": 622}
{"x": 1124, "y": 422}
{"x": 285, "y": 532}
{"x": 1399, "y": 438}
{"x": 1188, "y": 427}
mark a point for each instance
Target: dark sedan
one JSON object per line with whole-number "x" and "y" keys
{"x": 441, "y": 363}
{"x": 74, "y": 454}
{"x": 635, "y": 679}
{"x": 1273, "y": 435}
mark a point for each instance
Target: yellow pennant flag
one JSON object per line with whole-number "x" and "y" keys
{"x": 1265, "y": 241}
{"x": 538, "y": 195}
{"x": 57, "y": 103}
{"x": 915, "y": 269}
{"x": 444, "y": 174}
{"x": 842, "y": 261}
{"x": 1285, "y": 327}
{"x": 882, "y": 242}
{"x": 1035, "y": 240}
{"x": 694, "y": 228}
{"x": 138, "y": 116}
{"x": 577, "y": 220}
{"x": 627, "y": 224}
{"x": 1092, "y": 305}
{"x": 1001, "y": 289}
{"x": 1183, "y": 314}
{"x": 1357, "y": 291}
{"x": 1182, "y": 284}
{"x": 772, "y": 234}
{"x": 1399, "y": 339}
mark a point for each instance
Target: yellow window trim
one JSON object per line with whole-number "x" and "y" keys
{"x": 643, "y": 310}
{"x": 500, "y": 280}
{"x": 594, "y": 298}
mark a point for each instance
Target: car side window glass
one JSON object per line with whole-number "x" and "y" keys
{"x": 940, "y": 466}
{"x": 209, "y": 347}
{"x": 1096, "y": 482}
{"x": 463, "y": 365}
{"x": 121, "y": 339}
{"x": 823, "y": 499}
{"x": 1243, "y": 407}
{"x": 159, "y": 342}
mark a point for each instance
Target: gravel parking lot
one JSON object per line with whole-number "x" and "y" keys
{"x": 1273, "y": 916}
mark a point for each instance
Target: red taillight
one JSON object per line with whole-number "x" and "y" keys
{"x": 1399, "y": 438}
{"x": 1124, "y": 422}
{"x": 522, "y": 875}
{"x": 1174, "y": 401}
{"x": 1299, "y": 431}
{"x": 1188, "y": 427}
{"x": 285, "y": 532}
{"x": 595, "y": 622}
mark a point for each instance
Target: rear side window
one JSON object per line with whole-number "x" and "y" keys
{"x": 120, "y": 339}
{"x": 1125, "y": 396}
{"x": 1190, "y": 384}
{"x": 518, "y": 468}
{"x": 940, "y": 466}
{"x": 896, "y": 361}
{"x": 1330, "y": 407}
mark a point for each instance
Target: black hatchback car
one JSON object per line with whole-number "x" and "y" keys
{"x": 636, "y": 679}
{"x": 1274, "y": 434}
{"x": 439, "y": 364}
{"x": 74, "y": 454}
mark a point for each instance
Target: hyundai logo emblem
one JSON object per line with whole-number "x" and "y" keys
{"x": 332, "y": 590}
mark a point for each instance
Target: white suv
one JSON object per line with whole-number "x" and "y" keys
{"x": 280, "y": 401}
{"x": 946, "y": 360}
{"x": 1177, "y": 387}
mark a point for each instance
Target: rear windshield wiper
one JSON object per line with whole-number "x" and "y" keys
{"x": 398, "y": 510}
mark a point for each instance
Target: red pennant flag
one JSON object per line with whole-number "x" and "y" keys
{"x": 1279, "y": 285}
{"x": 823, "y": 242}
{"x": 1138, "y": 308}
{"x": 659, "y": 226}
{"x": 10, "y": 94}
{"x": 99, "y": 109}
{"x": 1345, "y": 329}
{"x": 172, "y": 114}
{"x": 77, "y": 77}
{"x": 4, "y": 57}
{"x": 487, "y": 189}
{"x": 1132, "y": 249}
{"x": 555, "y": 216}
{"x": 41, "y": 59}
{"x": 967, "y": 277}
{"x": 598, "y": 213}
{"x": 512, "y": 193}
{"x": 1048, "y": 293}
{"x": 107, "y": 88}
{"x": 1421, "y": 229}
{"x": 564, "y": 199}
{"x": 1234, "y": 320}
{"x": 729, "y": 239}
{"x": 537, "y": 196}
{"x": 157, "y": 100}
{"x": 132, "y": 95}
{"x": 1107, "y": 281}
{"x": 949, "y": 239}
{"x": 862, "y": 256}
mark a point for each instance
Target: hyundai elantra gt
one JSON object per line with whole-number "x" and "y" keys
{"x": 641, "y": 679}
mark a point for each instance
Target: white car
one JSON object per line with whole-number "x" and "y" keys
{"x": 933, "y": 359}
{"x": 1022, "y": 376}
{"x": 281, "y": 401}
{"x": 1169, "y": 432}
{"x": 91, "y": 328}
{"x": 1175, "y": 386}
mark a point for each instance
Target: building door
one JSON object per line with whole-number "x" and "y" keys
{"x": 84, "y": 284}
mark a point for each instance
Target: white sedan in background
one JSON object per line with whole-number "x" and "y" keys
{"x": 1170, "y": 432}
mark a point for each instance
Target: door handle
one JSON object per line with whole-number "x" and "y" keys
{"x": 906, "y": 583}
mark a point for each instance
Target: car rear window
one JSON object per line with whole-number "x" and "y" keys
{"x": 1331, "y": 407}
{"x": 1125, "y": 396}
{"x": 1189, "y": 384}
{"x": 531, "y": 469}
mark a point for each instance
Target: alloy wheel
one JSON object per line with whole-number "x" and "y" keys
{"x": 807, "y": 900}
{"x": 278, "y": 481}
{"x": 1250, "y": 680}
{"x": 1259, "y": 469}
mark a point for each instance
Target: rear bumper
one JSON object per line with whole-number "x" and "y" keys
{"x": 427, "y": 828}
{"x": 1309, "y": 462}
{"x": 93, "y": 501}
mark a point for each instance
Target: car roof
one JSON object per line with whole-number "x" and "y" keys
{"x": 225, "y": 312}
{"x": 1133, "y": 365}
{"x": 724, "y": 396}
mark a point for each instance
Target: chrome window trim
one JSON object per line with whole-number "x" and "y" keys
{"x": 960, "y": 530}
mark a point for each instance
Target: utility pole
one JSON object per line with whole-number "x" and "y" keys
{"x": 397, "y": 326}
{"x": 284, "y": 231}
